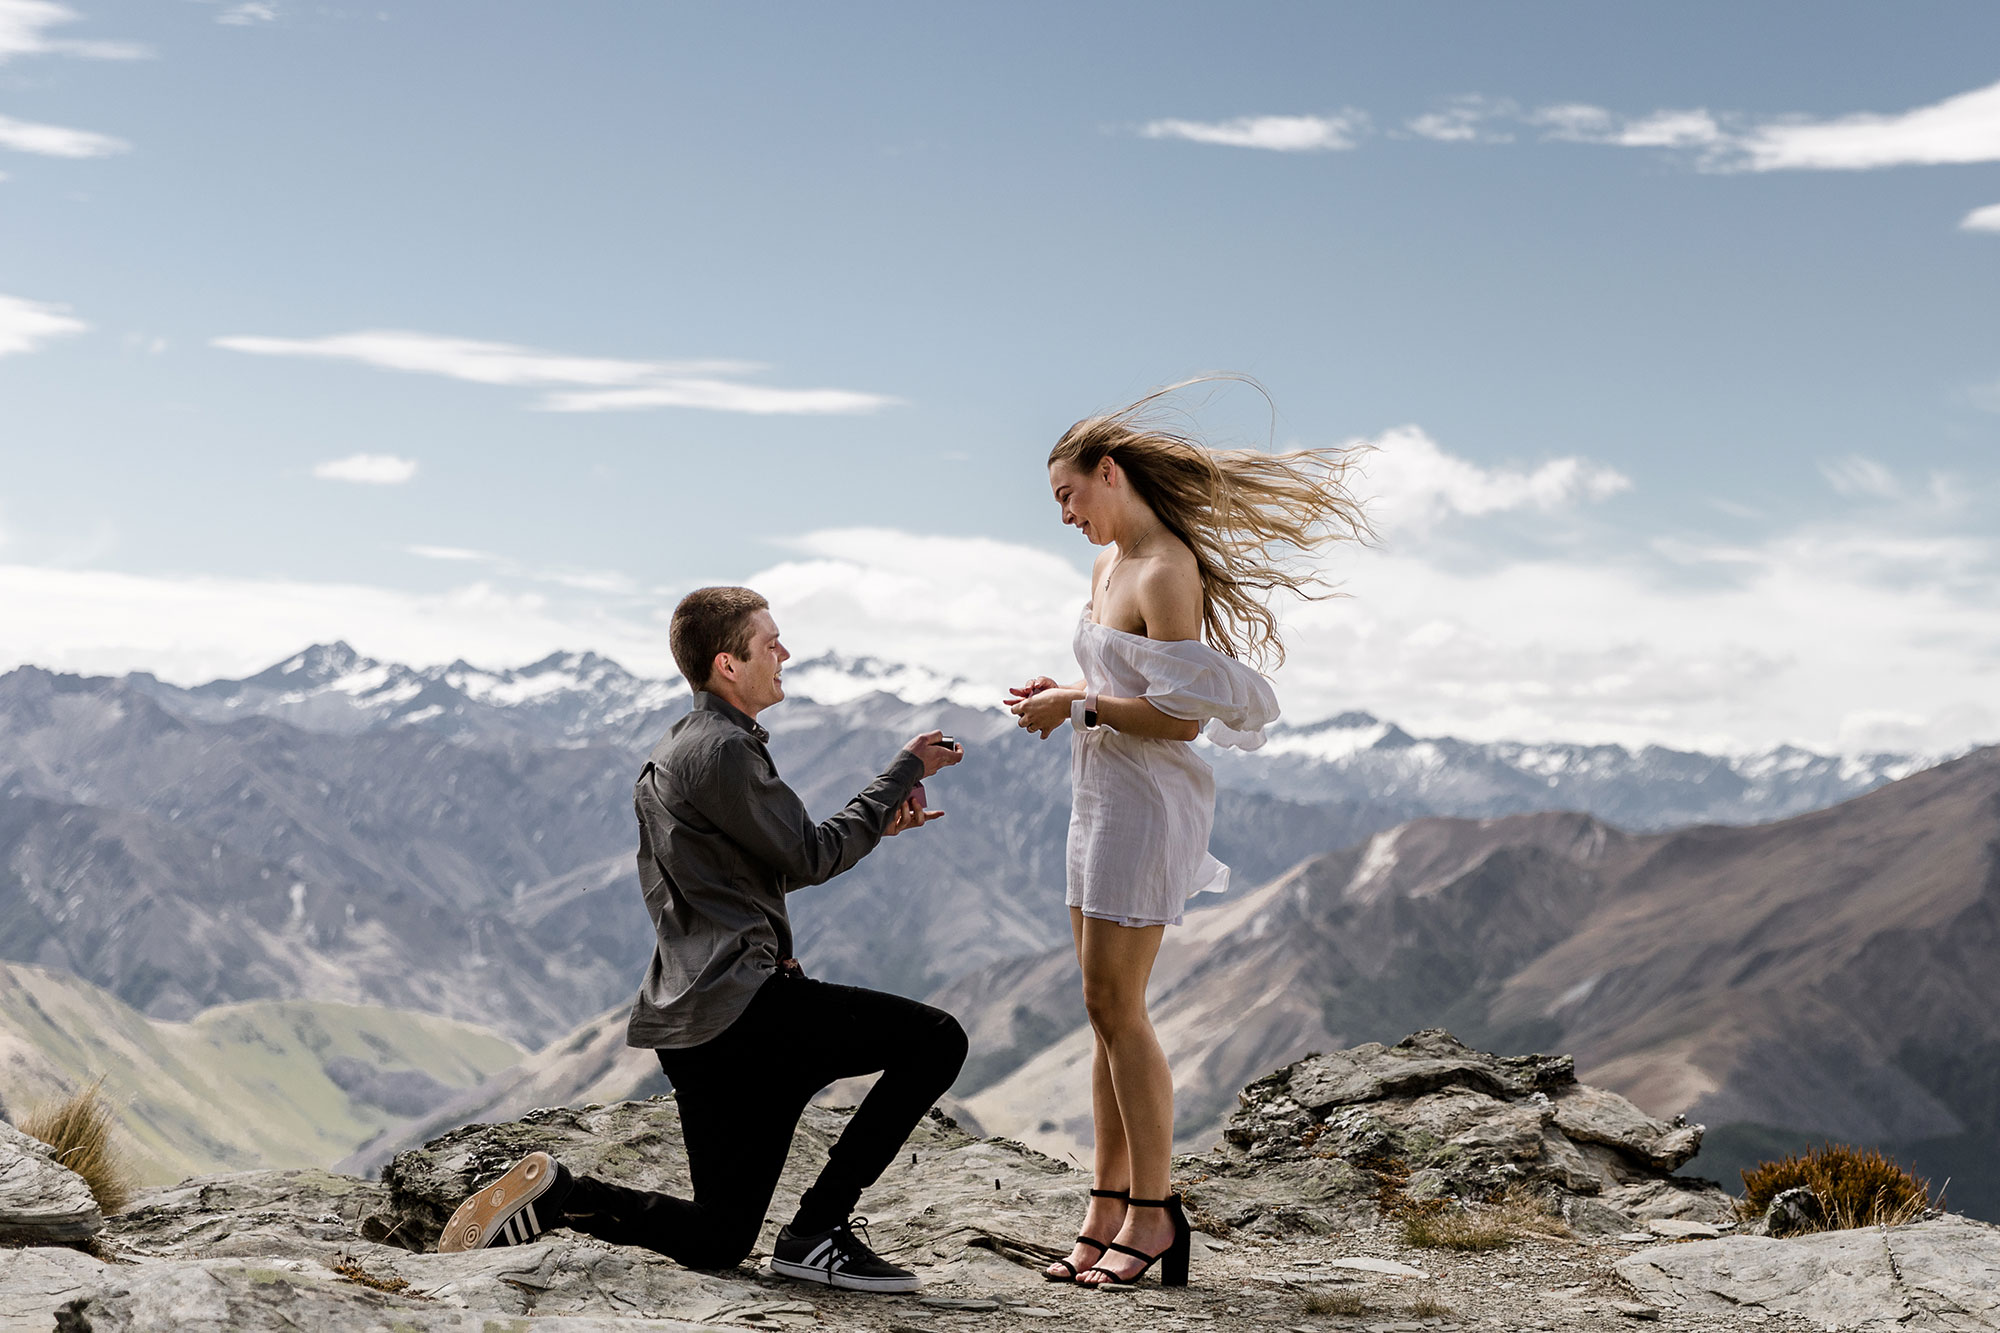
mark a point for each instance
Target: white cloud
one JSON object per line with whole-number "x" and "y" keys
{"x": 241, "y": 15}
{"x": 1982, "y": 219}
{"x": 56, "y": 140}
{"x": 450, "y": 553}
{"x": 589, "y": 384}
{"x": 24, "y": 25}
{"x": 368, "y": 469}
{"x": 25, "y": 325}
{"x": 1875, "y": 630}
{"x": 1959, "y": 129}
{"x": 1965, "y": 128}
{"x": 1413, "y": 485}
{"x": 1283, "y": 134}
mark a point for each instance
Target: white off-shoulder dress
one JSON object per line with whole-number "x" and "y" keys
{"x": 1141, "y": 809}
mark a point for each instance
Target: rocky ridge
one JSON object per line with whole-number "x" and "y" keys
{"x": 1293, "y": 1232}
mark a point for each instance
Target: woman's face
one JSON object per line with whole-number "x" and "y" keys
{"x": 1087, "y": 498}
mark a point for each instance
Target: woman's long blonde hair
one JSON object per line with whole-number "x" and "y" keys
{"x": 1251, "y": 518}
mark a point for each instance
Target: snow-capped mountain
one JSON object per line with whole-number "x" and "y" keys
{"x": 569, "y": 698}
{"x": 330, "y": 687}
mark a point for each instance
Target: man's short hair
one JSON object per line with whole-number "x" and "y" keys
{"x": 709, "y": 621}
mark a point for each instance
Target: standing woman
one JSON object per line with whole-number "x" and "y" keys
{"x": 1194, "y": 538}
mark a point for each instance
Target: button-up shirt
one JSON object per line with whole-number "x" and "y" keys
{"x": 722, "y": 840}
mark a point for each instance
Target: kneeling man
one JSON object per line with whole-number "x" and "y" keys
{"x": 744, "y": 1036}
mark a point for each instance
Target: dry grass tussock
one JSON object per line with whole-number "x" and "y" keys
{"x": 349, "y": 1269}
{"x": 1441, "y": 1224}
{"x": 79, "y": 1128}
{"x": 1854, "y": 1188}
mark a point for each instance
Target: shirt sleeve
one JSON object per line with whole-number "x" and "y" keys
{"x": 743, "y": 796}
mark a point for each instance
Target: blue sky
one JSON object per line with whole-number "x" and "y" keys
{"x": 483, "y": 329}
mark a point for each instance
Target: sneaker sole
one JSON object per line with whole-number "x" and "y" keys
{"x": 849, "y": 1281}
{"x": 504, "y": 1212}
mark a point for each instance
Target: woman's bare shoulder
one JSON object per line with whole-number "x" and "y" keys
{"x": 1169, "y": 590}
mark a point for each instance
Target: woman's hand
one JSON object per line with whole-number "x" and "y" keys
{"x": 1033, "y": 687}
{"x": 1043, "y": 710}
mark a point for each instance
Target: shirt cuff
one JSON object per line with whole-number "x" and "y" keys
{"x": 1076, "y": 712}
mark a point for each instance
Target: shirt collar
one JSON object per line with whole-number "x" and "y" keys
{"x": 709, "y": 703}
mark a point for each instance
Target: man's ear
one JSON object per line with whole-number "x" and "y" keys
{"x": 724, "y": 667}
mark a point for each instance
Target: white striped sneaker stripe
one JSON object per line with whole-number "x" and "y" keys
{"x": 819, "y": 1253}
{"x": 534, "y": 1223}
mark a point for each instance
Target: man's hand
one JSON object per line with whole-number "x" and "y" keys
{"x": 935, "y": 756}
{"x": 911, "y": 814}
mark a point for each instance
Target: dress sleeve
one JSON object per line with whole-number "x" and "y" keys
{"x": 1191, "y": 681}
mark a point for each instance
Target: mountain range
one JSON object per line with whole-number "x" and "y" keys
{"x": 457, "y": 841}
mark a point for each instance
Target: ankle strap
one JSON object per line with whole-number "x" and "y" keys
{"x": 1110, "y": 1194}
{"x": 1155, "y": 1203}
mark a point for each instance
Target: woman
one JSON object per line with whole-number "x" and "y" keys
{"x": 1192, "y": 536}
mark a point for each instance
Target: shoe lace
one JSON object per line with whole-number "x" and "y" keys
{"x": 857, "y": 1227}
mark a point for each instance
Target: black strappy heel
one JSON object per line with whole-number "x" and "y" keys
{"x": 1098, "y": 1245}
{"x": 1173, "y": 1260}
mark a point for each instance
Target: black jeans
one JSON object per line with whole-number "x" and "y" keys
{"x": 741, "y": 1096}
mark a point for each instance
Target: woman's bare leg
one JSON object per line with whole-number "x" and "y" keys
{"x": 1111, "y": 1167}
{"x": 1117, "y": 964}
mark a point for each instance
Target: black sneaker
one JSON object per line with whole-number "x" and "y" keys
{"x": 513, "y": 1210}
{"x": 839, "y": 1258}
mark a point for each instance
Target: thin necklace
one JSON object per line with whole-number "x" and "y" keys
{"x": 1124, "y": 555}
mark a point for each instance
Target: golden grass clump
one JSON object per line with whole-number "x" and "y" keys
{"x": 1335, "y": 1302}
{"x": 1442, "y": 1225}
{"x": 78, "y": 1127}
{"x": 1854, "y": 1188}
{"x": 1426, "y": 1305}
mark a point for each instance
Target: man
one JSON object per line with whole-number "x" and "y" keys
{"x": 744, "y": 1036}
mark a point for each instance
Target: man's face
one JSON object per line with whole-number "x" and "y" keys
{"x": 756, "y": 676}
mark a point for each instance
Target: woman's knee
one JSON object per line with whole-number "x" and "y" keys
{"x": 1113, "y": 1009}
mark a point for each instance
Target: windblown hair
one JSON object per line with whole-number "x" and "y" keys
{"x": 1251, "y": 518}
{"x": 709, "y": 621}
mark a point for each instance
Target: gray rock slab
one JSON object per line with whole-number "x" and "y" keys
{"x": 41, "y": 1201}
{"x": 283, "y": 1296}
{"x": 34, "y": 1283}
{"x": 1595, "y": 1115}
{"x": 1939, "y": 1275}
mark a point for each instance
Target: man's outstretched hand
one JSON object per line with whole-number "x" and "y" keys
{"x": 935, "y": 756}
{"x": 914, "y": 811}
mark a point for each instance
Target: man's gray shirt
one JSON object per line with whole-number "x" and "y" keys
{"x": 722, "y": 840}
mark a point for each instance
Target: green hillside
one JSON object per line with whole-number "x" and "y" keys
{"x": 268, "y": 1083}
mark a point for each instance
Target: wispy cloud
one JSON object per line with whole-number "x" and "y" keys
{"x": 24, "y": 27}
{"x": 241, "y": 15}
{"x": 25, "y": 325}
{"x": 587, "y": 384}
{"x": 56, "y": 140}
{"x": 368, "y": 469}
{"x": 1467, "y": 119}
{"x": 1982, "y": 219}
{"x": 455, "y": 553}
{"x": 1281, "y": 134}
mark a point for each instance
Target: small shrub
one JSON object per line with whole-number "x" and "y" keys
{"x": 1428, "y": 1306}
{"x": 1441, "y": 1225}
{"x": 1335, "y": 1302}
{"x": 78, "y": 1127}
{"x": 1854, "y": 1188}
{"x": 349, "y": 1269}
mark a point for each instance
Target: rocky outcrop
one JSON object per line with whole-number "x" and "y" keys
{"x": 1434, "y": 1119}
{"x": 1299, "y": 1216}
{"x": 42, "y": 1202}
{"x": 1942, "y": 1274}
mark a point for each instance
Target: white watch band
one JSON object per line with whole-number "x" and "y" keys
{"x": 1081, "y": 710}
